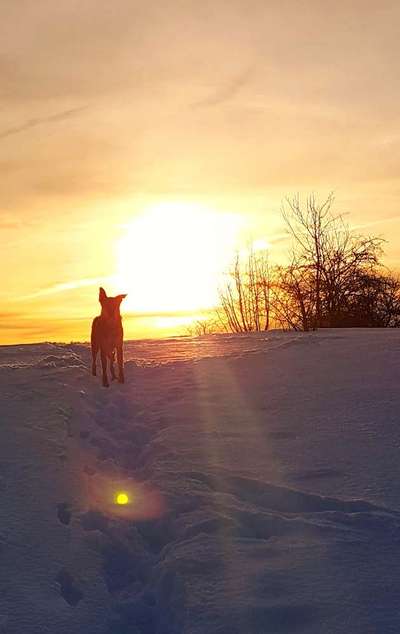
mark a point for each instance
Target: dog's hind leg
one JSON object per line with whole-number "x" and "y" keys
{"x": 104, "y": 368}
{"x": 112, "y": 359}
{"x": 120, "y": 359}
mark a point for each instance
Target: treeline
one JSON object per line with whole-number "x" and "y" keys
{"x": 335, "y": 278}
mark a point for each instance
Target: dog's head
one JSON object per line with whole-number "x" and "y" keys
{"x": 110, "y": 305}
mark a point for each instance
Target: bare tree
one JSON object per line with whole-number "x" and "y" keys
{"x": 334, "y": 278}
{"x": 374, "y": 302}
{"x": 293, "y": 297}
{"x": 245, "y": 297}
{"x": 310, "y": 226}
{"x": 201, "y": 327}
{"x": 328, "y": 258}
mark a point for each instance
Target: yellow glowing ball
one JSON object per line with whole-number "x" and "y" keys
{"x": 122, "y": 498}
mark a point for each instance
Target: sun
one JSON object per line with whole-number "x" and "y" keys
{"x": 172, "y": 256}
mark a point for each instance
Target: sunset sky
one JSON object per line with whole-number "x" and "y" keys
{"x": 139, "y": 139}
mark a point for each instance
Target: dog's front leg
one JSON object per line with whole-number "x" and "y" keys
{"x": 112, "y": 359}
{"x": 94, "y": 355}
{"x": 104, "y": 367}
{"x": 120, "y": 359}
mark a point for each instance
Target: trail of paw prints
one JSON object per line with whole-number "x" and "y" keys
{"x": 118, "y": 437}
{"x": 142, "y": 597}
{"x": 118, "y": 432}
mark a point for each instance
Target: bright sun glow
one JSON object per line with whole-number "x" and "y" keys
{"x": 122, "y": 498}
{"x": 173, "y": 255}
{"x": 261, "y": 245}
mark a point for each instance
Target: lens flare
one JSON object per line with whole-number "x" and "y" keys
{"x": 122, "y": 498}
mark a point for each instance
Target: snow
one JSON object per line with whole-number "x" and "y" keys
{"x": 262, "y": 473}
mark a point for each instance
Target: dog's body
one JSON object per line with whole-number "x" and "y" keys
{"x": 107, "y": 336}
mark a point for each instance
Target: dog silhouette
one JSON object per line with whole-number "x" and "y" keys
{"x": 107, "y": 336}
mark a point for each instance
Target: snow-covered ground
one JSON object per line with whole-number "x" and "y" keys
{"x": 263, "y": 476}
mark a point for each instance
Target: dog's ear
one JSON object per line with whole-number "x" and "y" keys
{"x": 102, "y": 295}
{"x": 121, "y": 297}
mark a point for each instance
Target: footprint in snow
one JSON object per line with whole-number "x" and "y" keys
{"x": 64, "y": 513}
{"x": 69, "y": 590}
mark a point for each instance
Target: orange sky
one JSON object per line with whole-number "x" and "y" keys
{"x": 110, "y": 111}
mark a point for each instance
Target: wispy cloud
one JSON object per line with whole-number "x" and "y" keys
{"x": 380, "y": 221}
{"x": 67, "y": 286}
{"x": 33, "y": 123}
{"x": 9, "y": 224}
{"x": 226, "y": 92}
